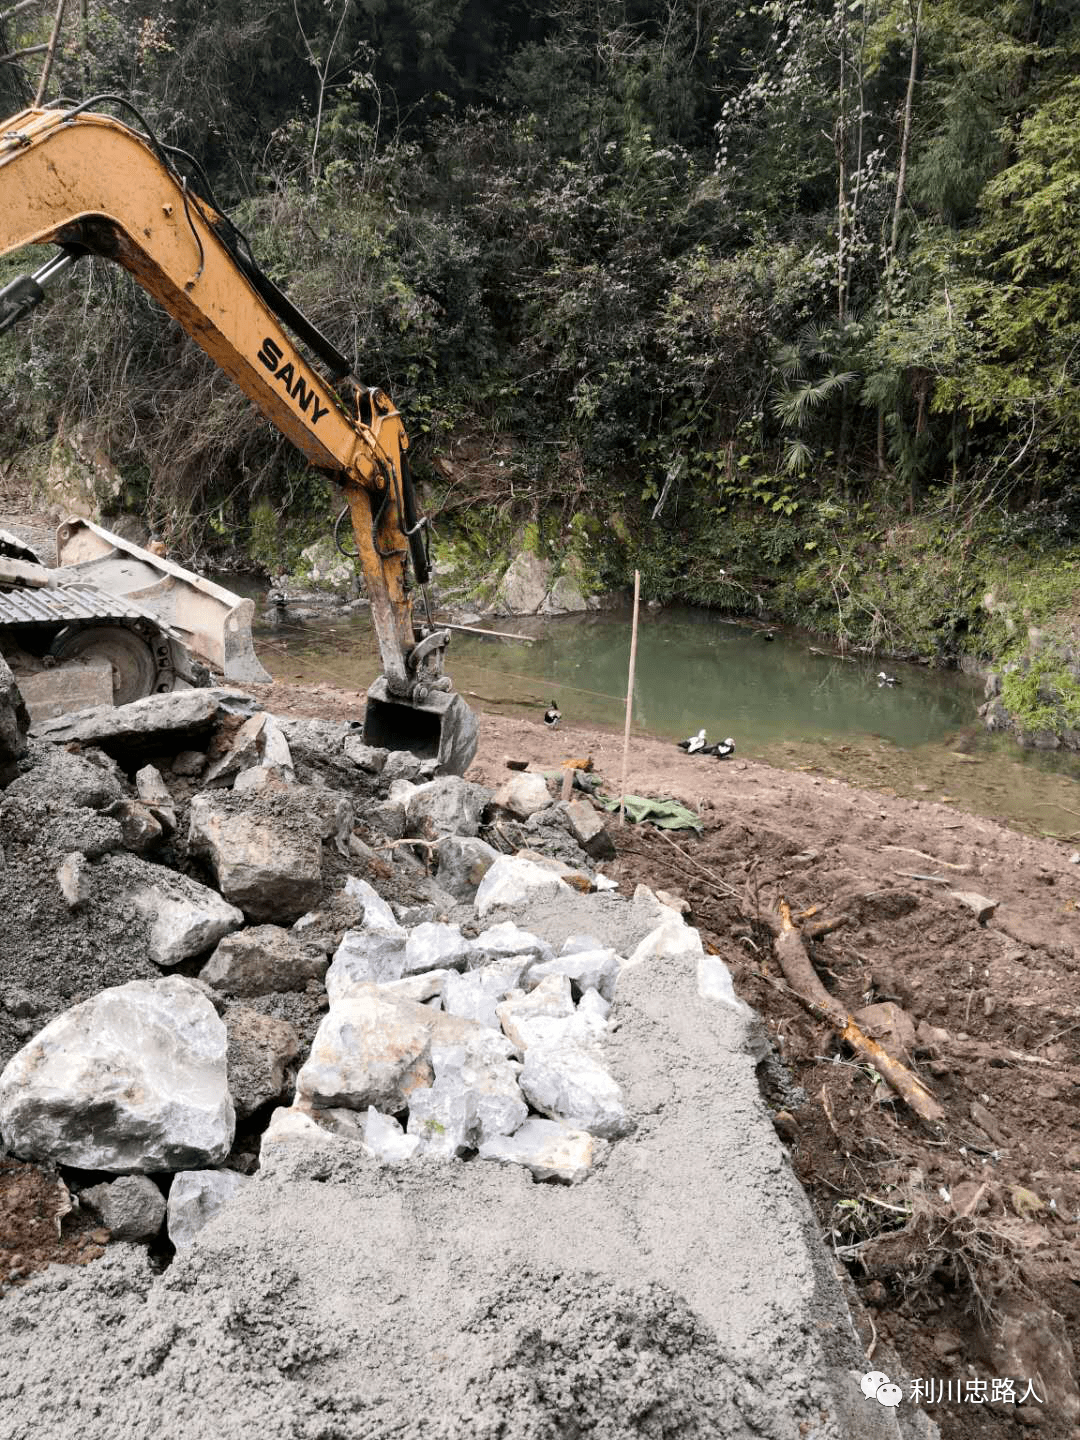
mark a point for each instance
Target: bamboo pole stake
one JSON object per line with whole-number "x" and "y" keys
{"x": 629, "y": 701}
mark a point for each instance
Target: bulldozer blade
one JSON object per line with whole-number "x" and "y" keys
{"x": 442, "y": 727}
{"x": 214, "y": 623}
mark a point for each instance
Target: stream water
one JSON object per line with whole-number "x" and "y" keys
{"x": 782, "y": 701}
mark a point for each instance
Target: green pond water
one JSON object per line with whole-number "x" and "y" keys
{"x": 781, "y": 701}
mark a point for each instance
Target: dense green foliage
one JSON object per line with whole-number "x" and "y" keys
{"x": 789, "y": 291}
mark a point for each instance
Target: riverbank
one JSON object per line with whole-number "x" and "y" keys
{"x": 934, "y": 1230}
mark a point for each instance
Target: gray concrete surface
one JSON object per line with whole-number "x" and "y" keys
{"x": 681, "y": 1291}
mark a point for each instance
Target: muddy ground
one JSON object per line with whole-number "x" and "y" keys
{"x": 939, "y": 1230}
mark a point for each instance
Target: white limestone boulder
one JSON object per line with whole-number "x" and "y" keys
{"x": 442, "y": 1117}
{"x": 378, "y": 919}
{"x": 371, "y": 1049}
{"x": 364, "y": 958}
{"x": 133, "y": 1080}
{"x": 586, "y": 970}
{"x": 431, "y": 985}
{"x": 550, "y": 1150}
{"x": 195, "y": 1197}
{"x": 503, "y": 941}
{"x": 551, "y": 999}
{"x": 437, "y": 946}
{"x": 477, "y": 994}
{"x": 569, "y": 1083}
{"x": 511, "y": 883}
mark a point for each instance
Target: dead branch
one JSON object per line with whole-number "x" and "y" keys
{"x": 14, "y": 10}
{"x": 803, "y": 979}
{"x": 46, "y": 69}
{"x": 826, "y": 927}
{"x": 948, "y": 864}
{"x": 18, "y": 54}
{"x": 703, "y": 869}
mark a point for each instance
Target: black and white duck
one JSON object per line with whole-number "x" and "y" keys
{"x": 695, "y": 744}
{"x": 552, "y": 716}
{"x": 883, "y": 679}
{"x": 722, "y": 748}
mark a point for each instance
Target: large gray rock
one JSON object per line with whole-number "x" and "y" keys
{"x": 324, "y": 928}
{"x": 463, "y": 863}
{"x": 263, "y": 959}
{"x": 186, "y": 918}
{"x": 550, "y": 1150}
{"x": 65, "y": 780}
{"x": 267, "y": 860}
{"x": 570, "y": 1084}
{"x": 260, "y": 1050}
{"x": 371, "y": 1049}
{"x": 446, "y": 806}
{"x": 524, "y": 586}
{"x": 157, "y": 722}
{"x": 133, "y": 1080}
{"x": 130, "y": 1208}
{"x": 14, "y": 720}
{"x": 195, "y": 1197}
{"x": 378, "y": 919}
{"x": 512, "y": 883}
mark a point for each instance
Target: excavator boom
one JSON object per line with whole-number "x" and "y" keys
{"x": 91, "y": 184}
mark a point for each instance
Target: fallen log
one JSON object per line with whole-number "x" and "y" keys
{"x": 803, "y": 979}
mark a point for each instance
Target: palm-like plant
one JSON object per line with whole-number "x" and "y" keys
{"x": 803, "y": 392}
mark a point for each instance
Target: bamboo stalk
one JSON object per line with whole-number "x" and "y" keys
{"x": 498, "y": 634}
{"x": 629, "y": 700}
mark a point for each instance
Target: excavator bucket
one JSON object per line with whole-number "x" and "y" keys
{"x": 213, "y": 623}
{"x": 442, "y": 727}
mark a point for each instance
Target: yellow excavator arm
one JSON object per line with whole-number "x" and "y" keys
{"x": 91, "y": 184}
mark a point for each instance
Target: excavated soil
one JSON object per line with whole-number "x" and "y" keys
{"x": 938, "y": 1231}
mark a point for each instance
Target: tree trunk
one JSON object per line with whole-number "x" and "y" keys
{"x": 51, "y": 53}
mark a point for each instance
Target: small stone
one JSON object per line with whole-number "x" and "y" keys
{"x": 139, "y": 829}
{"x": 260, "y": 1050}
{"x": 130, "y": 1208}
{"x": 448, "y": 805}
{"x": 490, "y": 1079}
{"x": 369, "y": 758}
{"x": 714, "y": 983}
{"x": 196, "y": 1197}
{"x": 74, "y": 878}
{"x": 979, "y": 905}
{"x": 987, "y": 1124}
{"x": 243, "y": 752}
{"x": 385, "y": 1138}
{"x": 550, "y": 1150}
{"x": 887, "y": 1023}
{"x": 156, "y": 796}
{"x": 378, "y": 919}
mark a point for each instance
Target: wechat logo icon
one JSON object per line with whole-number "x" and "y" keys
{"x": 876, "y": 1385}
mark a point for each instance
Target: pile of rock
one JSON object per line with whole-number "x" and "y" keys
{"x": 323, "y": 947}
